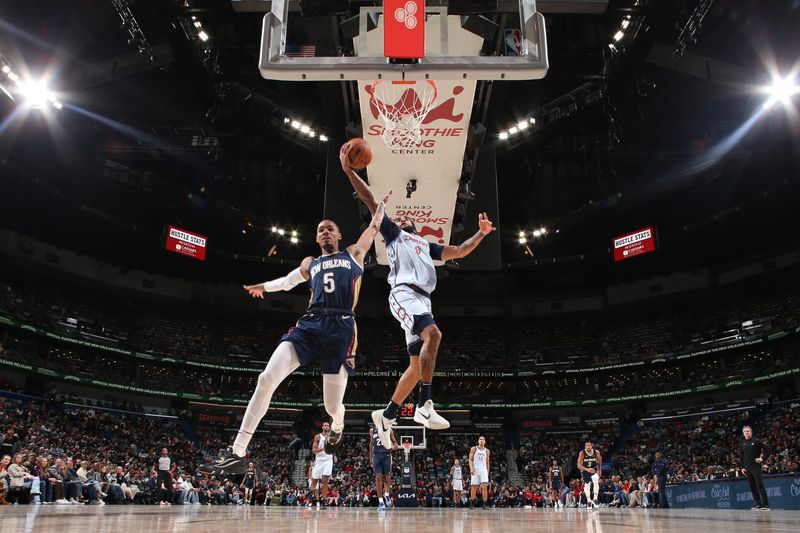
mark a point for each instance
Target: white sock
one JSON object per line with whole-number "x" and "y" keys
{"x": 283, "y": 362}
{"x": 333, "y": 387}
{"x": 587, "y": 490}
{"x": 596, "y": 485}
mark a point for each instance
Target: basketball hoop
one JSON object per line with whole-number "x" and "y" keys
{"x": 402, "y": 107}
{"x": 407, "y": 449}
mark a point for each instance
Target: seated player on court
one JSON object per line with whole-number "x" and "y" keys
{"x": 412, "y": 277}
{"x": 327, "y": 332}
{"x": 381, "y": 465}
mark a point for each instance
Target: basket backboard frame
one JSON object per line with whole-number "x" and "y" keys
{"x": 532, "y": 63}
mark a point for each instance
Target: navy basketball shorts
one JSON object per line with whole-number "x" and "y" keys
{"x": 382, "y": 464}
{"x": 331, "y": 339}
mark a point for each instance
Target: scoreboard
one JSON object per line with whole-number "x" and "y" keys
{"x": 407, "y": 410}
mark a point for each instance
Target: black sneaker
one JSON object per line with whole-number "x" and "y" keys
{"x": 333, "y": 442}
{"x": 229, "y": 463}
{"x": 485, "y": 507}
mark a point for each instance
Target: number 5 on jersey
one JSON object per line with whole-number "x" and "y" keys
{"x": 328, "y": 281}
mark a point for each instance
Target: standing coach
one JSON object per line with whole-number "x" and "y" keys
{"x": 752, "y": 453}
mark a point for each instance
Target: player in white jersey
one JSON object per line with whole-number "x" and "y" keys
{"x": 456, "y": 482}
{"x": 479, "y": 463}
{"x": 323, "y": 465}
{"x": 412, "y": 277}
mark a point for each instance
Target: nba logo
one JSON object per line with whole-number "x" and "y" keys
{"x": 513, "y": 42}
{"x": 404, "y": 29}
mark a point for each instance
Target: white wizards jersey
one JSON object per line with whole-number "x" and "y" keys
{"x": 479, "y": 458}
{"x": 322, "y": 456}
{"x": 410, "y": 257}
{"x": 456, "y": 472}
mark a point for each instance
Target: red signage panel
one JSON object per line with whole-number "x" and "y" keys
{"x": 633, "y": 244}
{"x": 186, "y": 243}
{"x": 404, "y": 29}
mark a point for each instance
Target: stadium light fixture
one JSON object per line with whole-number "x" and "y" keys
{"x": 323, "y": 138}
{"x": 503, "y": 136}
{"x": 522, "y": 240}
{"x": 522, "y": 125}
{"x": 203, "y": 35}
{"x": 619, "y": 35}
{"x": 781, "y": 91}
{"x": 294, "y": 240}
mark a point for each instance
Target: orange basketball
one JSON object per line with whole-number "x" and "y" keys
{"x": 359, "y": 155}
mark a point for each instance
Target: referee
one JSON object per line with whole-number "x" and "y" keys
{"x": 164, "y": 468}
{"x": 752, "y": 453}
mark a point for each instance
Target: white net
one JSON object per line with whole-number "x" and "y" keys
{"x": 402, "y": 107}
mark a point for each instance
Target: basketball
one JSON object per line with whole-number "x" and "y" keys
{"x": 360, "y": 155}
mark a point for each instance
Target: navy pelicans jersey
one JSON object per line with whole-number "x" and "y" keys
{"x": 555, "y": 474}
{"x": 327, "y": 332}
{"x": 378, "y": 448}
{"x": 335, "y": 282}
{"x": 410, "y": 257}
{"x": 589, "y": 461}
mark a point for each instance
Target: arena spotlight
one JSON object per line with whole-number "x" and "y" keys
{"x": 781, "y": 91}
{"x": 323, "y": 138}
{"x": 619, "y": 35}
{"x": 203, "y": 35}
{"x": 36, "y": 94}
{"x": 503, "y": 136}
{"x": 294, "y": 240}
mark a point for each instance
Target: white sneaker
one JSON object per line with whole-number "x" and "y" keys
{"x": 383, "y": 426}
{"x": 428, "y": 417}
{"x": 73, "y": 501}
{"x": 62, "y": 501}
{"x": 101, "y": 502}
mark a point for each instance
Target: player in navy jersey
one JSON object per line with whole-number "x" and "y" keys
{"x": 555, "y": 480}
{"x": 327, "y": 332}
{"x": 412, "y": 277}
{"x": 590, "y": 463}
{"x": 381, "y": 465}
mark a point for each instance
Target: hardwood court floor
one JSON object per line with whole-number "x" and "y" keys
{"x": 204, "y": 519}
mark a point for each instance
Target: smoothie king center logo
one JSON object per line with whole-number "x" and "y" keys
{"x": 427, "y": 224}
{"x": 409, "y": 102}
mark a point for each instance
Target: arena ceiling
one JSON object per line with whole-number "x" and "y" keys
{"x": 629, "y": 137}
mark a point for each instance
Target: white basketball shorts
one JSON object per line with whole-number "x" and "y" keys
{"x": 322, "y": 468}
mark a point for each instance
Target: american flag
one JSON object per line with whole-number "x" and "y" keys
{"x": 304, "y": 50}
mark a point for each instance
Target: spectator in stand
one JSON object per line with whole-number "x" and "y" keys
{"x": 5, "y": 461}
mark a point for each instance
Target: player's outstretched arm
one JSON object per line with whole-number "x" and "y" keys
{"x": 360, "y": 248}
{"x": 362, "y": 189}
{"x": 580, "y": 461}
{"x": 485, "y": 227}
{"x": 286, "y": 283}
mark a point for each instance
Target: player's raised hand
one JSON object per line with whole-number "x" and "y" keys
{"x": 344, "y": 158}
{"x": 484, "y": 224}
{"x": 256, "y": 291}
{"x": 386, "y": 198}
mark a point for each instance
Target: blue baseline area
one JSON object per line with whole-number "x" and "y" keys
{"x": 783, "y": 492}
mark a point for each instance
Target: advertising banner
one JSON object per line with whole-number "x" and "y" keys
{"x": 186, "y": 243}
{"x": 633, "y": 244}
{"x": 783, "y": 492}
